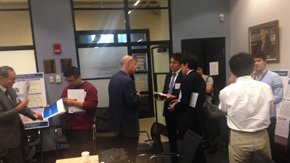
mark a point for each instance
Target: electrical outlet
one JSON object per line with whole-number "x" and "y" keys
{"x": 51, "y": 79}
{"x": 58, "y": 78}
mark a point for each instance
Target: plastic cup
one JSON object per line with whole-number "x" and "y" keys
{"x": 85, "y": 156}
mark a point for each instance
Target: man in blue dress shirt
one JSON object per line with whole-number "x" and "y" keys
{"x": 274, "y": 81}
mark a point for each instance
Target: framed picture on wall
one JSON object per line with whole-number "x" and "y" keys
{"x": 49, "y": 66}
{"x": 65, "y": 63}
{"x": 264, "y": 38}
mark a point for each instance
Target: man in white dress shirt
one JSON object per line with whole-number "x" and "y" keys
{"x": 247, "y": 104}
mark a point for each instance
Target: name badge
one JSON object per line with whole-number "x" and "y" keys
{"x": 177, "y": 85}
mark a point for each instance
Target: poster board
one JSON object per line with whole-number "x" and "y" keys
{"x": 36, "y": 96}
{"x": 283, "y": 111}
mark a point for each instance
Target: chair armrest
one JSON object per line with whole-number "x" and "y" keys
{"x": 34, "y": 143}
{"x": 159, "y": 155}
{"x": 145, "y": 132}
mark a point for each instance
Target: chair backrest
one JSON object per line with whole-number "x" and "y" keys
{"x": 188, "y": 146}
{"x": 260, "y": 157}
{"x": 102, "y": 119}
{"x": 157, "y": 130}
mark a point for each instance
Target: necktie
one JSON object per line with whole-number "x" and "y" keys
{"x": 171, "y": 83}
{"x": 8, "y": 96}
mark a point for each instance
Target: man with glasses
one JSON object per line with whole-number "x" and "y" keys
{"x": 12, "y": 132}
{"x": 78, "y": 127}
{"x": 123, "y": 102}
{"x": 171, "y": 89}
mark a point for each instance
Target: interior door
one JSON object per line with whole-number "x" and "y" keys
{"x": 160, "y": 60}
{"x": 209, "y": 51}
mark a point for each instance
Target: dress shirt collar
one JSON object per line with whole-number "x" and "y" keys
{"x": 189, "y": 71}
{"x": 3, "y": 89}
{"x": 244, "y": 78}
{"x": 177, "y": 72}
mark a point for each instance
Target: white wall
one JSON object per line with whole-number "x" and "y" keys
{"x": 200, "y": 19}
{"x": 247, "y": 13}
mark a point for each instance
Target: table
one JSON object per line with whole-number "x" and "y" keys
{"x": 92, "y": 159}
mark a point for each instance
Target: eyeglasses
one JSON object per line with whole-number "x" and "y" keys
{"x": 131, "y": 60}
{"x": 71, "y": 81}
{"x": 11, "y": 79}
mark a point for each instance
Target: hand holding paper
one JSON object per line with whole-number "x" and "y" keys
{"x": 54, "y": 109}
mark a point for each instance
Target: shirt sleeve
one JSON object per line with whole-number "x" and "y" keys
{"x": 277, "y": 89}
{"x": 209, "y": 81}
{"x": 222, "y": 105}
{"x": 91, "y": 100}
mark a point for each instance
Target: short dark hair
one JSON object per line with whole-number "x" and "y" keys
{"x": 242, "y": 64}
{"x": 201, "y": 66}
{"x": 71, "y": 71}
{"x": 176, "y": 56}
{"x": 4, "y": 71}
{"x": 260, "y": 55}
{"x": 191, "y": 59}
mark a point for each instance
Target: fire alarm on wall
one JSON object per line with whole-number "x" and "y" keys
{"x": 57, "y": 48}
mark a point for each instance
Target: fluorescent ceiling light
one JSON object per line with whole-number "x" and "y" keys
{"x": 129, "y": 12}
{"x": 137, "y": 2}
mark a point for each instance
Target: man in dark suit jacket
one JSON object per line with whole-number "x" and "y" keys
{"x": 191, "y": 116}
{"x": 123, "y": 101}
{"x": 12, "y": 132}
{"x": 172, "y": 80}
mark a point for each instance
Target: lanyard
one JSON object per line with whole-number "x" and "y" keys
{"x": 262, "y": 76}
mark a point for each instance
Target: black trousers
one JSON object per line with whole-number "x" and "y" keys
{"x": 172, "y": 128}
{"x": 79, "y": 141}
{"x": 129, "y": 144}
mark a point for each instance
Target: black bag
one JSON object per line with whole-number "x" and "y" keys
{"x": 212, "y": 111}
{"x": 113, "y": 155}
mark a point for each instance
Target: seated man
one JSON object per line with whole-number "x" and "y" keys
{"x": 209, "y": 83}
{"x": 247, "y": 104}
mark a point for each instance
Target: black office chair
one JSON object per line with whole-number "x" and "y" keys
{"x": 104, "y": 138}
{"x": 153, "y": 145}
{"x": 34, "y": 144}
{"x": 60, "y": 136}
{"x": 188, "y": 147}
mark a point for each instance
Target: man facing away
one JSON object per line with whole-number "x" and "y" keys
{"x": 171, "y": 89}
{"x": 247, "y": 104}
{"x": 274, "y": 81}
{"x": 78, "y": 127}
{"x": 191, "y": 116}
{"x": 12, "y": 132}
{"x": 123, "y": 102}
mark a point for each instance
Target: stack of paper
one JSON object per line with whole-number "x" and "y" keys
{"x": 55, "y": 109}
{"x": 159, "y": 96}
{"x": 77, "y": 95}
{"x": 25, "y": 88}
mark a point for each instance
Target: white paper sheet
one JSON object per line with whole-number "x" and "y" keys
{"x": 193, "y": 99}
{"x": 78, "y": 95}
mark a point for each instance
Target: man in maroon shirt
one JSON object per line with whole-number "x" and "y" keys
{"x": 78, "y": 127}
